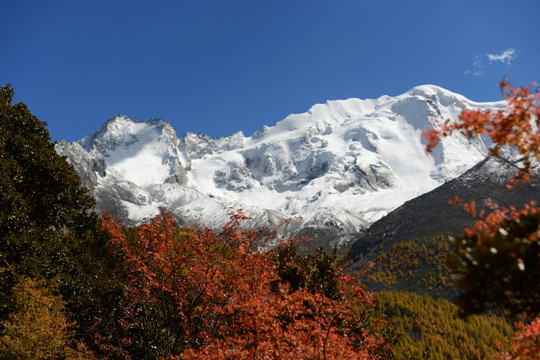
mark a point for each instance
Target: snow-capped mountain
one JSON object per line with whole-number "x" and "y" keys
{"x": 339, "y": 167}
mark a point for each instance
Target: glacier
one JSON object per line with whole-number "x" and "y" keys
{"x": 328, "y": 173}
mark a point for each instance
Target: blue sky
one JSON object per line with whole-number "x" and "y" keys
{"x": 217, "y": 67}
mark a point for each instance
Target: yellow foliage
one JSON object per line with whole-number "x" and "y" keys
{"x": 419, "y": 262}
{"x": 432, "y": 329}
{"x": 38, "y": 328}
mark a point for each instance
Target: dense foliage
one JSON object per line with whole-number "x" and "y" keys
{"x": 503, "y": 251}
{"x": 431, "y": 328}
{"x": 413, "y": 288}
{"x": 415, "y": 266}
{"x": 48, "y": 229}
{"x": 205, "y": 295}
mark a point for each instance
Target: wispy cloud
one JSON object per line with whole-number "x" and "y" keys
{"x": 477, "y": 66}
{"x": 475, "y": 73}
{"x": 506, "y": 57}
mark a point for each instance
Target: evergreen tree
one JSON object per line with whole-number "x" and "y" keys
{"x": 47, "y": 226}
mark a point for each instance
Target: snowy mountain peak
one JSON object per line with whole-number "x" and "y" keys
{"x": 430, "y": 90}
{"x": 347, "y": 161}
{"x": 121, "y": 130}
{"x": 142, "y": 152}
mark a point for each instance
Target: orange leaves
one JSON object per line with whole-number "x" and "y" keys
{"x": 525, "y": 343}
{"x": 499, "y": 259}
{"x": 297, "y": 325}
{"x": 491, "y": 223}
{"x": 516, "y": 126}
{"x": 432, "y": 136}
{"x": 198, "y": 294}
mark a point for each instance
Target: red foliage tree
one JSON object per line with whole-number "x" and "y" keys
{"x": 197, "y": 294}
{"x": 499, "y": 258}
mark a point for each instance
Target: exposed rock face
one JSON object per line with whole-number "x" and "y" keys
{"x": 87, "y": 166}
{"x": 340, "y": 166}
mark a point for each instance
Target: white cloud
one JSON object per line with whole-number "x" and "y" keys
{"x": 506, "y": 57}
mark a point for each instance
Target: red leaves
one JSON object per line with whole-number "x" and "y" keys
{"x": 432, "y": 136}
{"x": 525, "y": 343}
{"x": 214, "y": 295}
{"x": 491, "y": 224}
{"x": 297, "y": 325}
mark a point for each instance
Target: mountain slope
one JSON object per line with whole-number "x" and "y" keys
{"x": 340, "y": 166}
{"x": 405, "y": 235}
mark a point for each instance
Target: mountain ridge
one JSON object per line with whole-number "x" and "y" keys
{"x": 340, "y": 166}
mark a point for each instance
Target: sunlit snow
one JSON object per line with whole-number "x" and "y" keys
{"x": 351, "y": 161}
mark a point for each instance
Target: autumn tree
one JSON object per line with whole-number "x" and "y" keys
{"x": 499, "y": 258}
{"x": 38, "y": 328}
{"x": 200, "y": 294}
